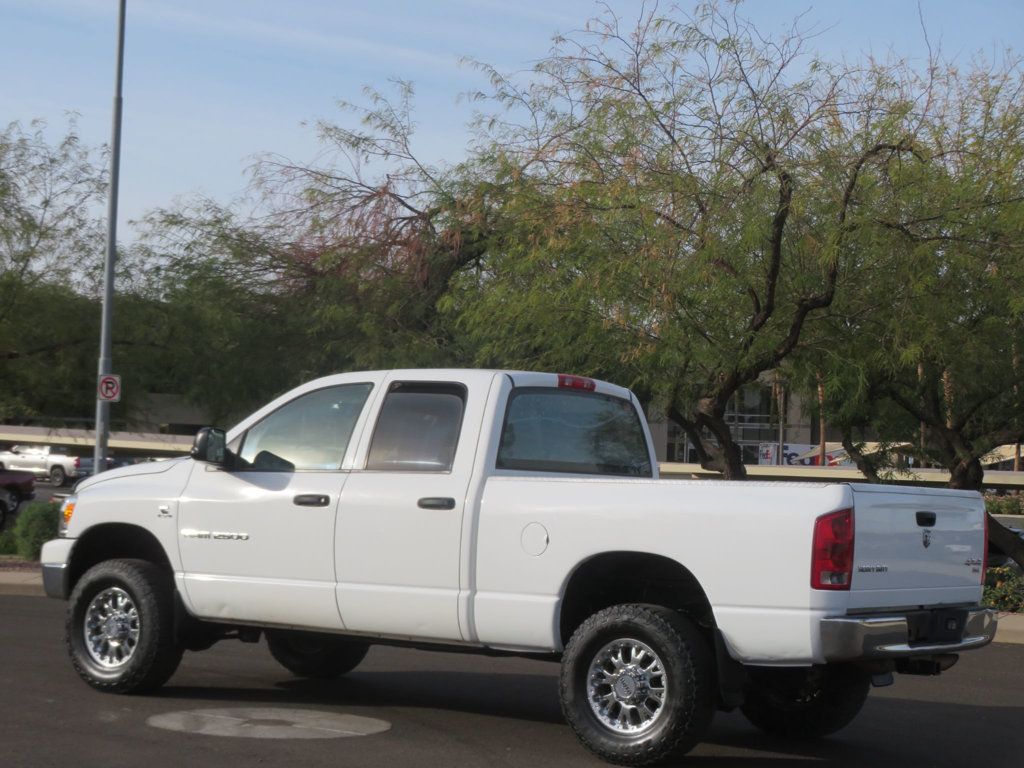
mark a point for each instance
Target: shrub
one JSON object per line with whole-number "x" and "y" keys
{"x": 1004, "y": 505}
{"x": 1004, "y": 590}
{"x": 8, "y": 544}
{"x": 37, "y": 524}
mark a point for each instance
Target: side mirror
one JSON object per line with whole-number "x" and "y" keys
{"x": 210, "y": 446}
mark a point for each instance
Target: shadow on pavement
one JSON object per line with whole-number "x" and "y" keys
{"x": 890, "y": 731}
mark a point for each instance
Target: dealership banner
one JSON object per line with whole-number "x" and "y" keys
{"x": 801, "y": 455}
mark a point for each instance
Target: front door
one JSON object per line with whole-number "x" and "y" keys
{"x": 257, "y": 540}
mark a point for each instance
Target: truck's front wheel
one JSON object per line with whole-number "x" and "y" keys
{"x": 636, "y": 684}
{"x": 307, "y": 654}
{"x": 120, "y": 627}
{"x": 805, "y": 702}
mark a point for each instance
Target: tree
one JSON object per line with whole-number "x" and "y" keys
{"x": 927, "y": 345}
{"x": 376, "y": 254}
{"x": 50, "y": 239}
{"x": 680, "y": 199}
{"x": 213, "y": 315}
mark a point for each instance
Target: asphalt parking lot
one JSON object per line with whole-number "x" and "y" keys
{"x": 432, "y": 709}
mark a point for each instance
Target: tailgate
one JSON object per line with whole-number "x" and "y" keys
{"x": 916, "y": 546}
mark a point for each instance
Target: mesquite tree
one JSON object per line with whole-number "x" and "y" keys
{"x": 925, "y": 354}
{"x": 682, "y": 197}
{"x": 50, "y": 249}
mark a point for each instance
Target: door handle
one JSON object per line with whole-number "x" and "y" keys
{"x": 926, "y": 519}
{"x": 312, "y": 500}
{"x": 436, "y": 502}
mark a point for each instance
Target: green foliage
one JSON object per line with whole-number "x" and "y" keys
{"x": 47, "y": 354}
{"x": 37, "y": 523}
{"x": 50, "y": 246}
{"x": 1004, "y": 590}
{"x": 930, "y": 331}
{"x": 1004, "y": 505}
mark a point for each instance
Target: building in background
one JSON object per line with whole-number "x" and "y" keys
{"x": 754, "y": 422}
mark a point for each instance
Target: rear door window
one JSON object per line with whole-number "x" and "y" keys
{"x": 558, "y": 430}
{"x": 418, "y": 428}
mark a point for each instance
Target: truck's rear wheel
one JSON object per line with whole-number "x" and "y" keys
{"x": 805, "y": 702}
{"x": 120, "y": 627}
{"x": 306, "y": 654}
{"x": 636, "y": 684}
{"x": 58, "y": 476}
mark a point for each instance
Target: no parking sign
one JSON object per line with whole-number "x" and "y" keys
{"x": 109, "y": 388}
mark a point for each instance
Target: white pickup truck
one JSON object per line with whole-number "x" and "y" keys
{"x": 519, "y": 513}
{"x": 47, "y": 462}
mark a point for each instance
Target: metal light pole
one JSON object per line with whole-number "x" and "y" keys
{"x": 103, "y": 406}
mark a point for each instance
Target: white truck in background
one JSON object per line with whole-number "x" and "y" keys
{"x": 519, "y": 513}
{"x": 46, "y": 462}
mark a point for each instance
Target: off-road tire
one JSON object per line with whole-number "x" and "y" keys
{"x": 156, "y": 654}
{"x": 308, "y": 654}
{"x": 688, "y": 682}
{"x": 806, "y": 702}
{"x": 58, "y": 476}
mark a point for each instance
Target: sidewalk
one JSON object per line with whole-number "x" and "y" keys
{"x": 29, "y": 581}
{"x": 21, "y": 581}
{"x": 1011, "y": 628}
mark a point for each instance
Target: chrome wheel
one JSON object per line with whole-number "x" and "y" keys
{"x": 626, "y": 686}
{"x": 111, "y": 628}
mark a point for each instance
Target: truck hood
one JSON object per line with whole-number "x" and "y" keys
{"x": 147, "y": 468}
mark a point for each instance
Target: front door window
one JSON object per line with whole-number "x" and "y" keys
{"x": 311, "y": 432}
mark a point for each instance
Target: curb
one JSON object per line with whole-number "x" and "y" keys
{"x": 1011, "y": 628}
{"x": 22, "y": 582}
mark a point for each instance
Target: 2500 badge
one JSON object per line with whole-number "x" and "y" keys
{"x": 192, "y": 533}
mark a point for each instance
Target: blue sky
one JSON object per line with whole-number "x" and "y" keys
{"x": 209, "y": 84}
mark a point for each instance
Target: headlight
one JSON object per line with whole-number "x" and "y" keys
{"x": 67, "y": 509}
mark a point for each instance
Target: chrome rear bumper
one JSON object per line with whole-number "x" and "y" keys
{"x": 850, "y": 638}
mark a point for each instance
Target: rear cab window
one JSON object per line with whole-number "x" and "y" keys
{"x": 570, "y": 431}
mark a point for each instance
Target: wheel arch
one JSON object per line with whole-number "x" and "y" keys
{"x": 109, "y": 541}
{"x": 616, "y": 577}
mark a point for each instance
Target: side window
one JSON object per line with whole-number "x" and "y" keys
{"x": 558, "y": 430}
{"x": 418, "y": 428}
{"x": 310, "y": 432}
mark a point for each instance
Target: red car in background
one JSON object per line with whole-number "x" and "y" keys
{"x": 15, "y": 487}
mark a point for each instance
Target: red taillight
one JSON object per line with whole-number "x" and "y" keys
{"x": 984, "y": 550}
{"x": 78, "y": 463}
{"x": 832, "y": 553}
{"x": 576, "y": 382}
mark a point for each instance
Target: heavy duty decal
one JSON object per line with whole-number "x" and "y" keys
{"x": 872, "y": 569}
